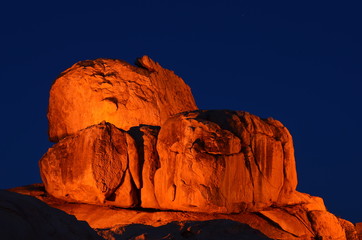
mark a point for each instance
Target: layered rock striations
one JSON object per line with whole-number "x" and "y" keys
{"x": 132, "y": 137}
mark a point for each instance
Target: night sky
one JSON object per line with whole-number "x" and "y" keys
{"x": 295, "y": 61}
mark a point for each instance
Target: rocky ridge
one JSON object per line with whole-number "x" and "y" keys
{"x": 136, "y": 159}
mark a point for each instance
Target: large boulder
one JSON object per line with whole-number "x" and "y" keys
{"x": 25, "y": 217}
{"x": 224, "y": 161}
{"x": 95, "y": 165}
{"x": 205, "y": 161}
{"x": 109, "y": 90}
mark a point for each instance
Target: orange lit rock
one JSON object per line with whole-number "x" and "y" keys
{"x": 109, "y": 90}
{"x": 326, "y": 225}
{"x": 310, "y": 203}
{"x": 223, "y": 161}
{"x": 289, "y": 222}
{"x": 359, "y": 229}
{"x": 146, "y": 139}
{"x": 150, "y": 151}
{"x": 285, "y": 223}
{"x": 349, "y": 229}
{"x": 98, "y": 164}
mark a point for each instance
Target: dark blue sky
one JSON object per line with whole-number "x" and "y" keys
{"x": 296, "y": 61}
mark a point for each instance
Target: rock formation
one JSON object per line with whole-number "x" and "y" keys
{"x": 24, "y": 217}
{"x": 132, "y": 137}
{"x": 96, "y": 164}
{"x": 299, "y": 221}
{"x": 146, "y": 141}
{"x": 219, "y": 161}
{"x": 194, "y": 230}
{"x": 224, "y": 161}
{"x": 109, "y": 90}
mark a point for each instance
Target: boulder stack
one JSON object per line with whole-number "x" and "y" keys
{"x": 132, "y": 136}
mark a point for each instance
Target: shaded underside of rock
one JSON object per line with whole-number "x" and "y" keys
{"x": 223, "y": 161}
{"x": 24, "y": 217}
{"x": 194, "y": 230}
{"x": 308, "y": 220}
{"x": 110, "y": 90}
{"x": 146, "y": 141}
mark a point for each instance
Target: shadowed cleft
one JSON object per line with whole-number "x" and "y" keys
{"x": 112, "y": 99}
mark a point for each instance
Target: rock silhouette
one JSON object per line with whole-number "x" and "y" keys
{"x": 24, "y": 217}
{"x": 135, "y": 158}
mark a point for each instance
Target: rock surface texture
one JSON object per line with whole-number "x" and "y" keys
{"x": 132, "y": 137}
{"x": 224, "y": 161}
{"x": 300, "y": 221}
{"x": 115, "y": 91}
{"x": 94, "y": 165}
{"x": 219, "y": 161}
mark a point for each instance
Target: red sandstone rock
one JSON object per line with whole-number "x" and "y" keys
{"x": 326, "y": 225}
{"x": 359, "y": 229}
{"x": 349, "y": 229}
{"x": 216, "y": 162}
{"x": 98, "y": 164}
{"x": 286, "y": 223}
{"x": 219, "y": 161}
{"x": 223, "y": 161}
{"x": 109, "y": 90}
{"x": 146, "y": 139}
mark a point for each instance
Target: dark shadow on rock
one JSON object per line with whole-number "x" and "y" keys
{"x": 212, "y": 229}
{"x": 25, "y": 217}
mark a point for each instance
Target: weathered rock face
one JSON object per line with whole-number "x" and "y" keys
{"x": 349, "y": 229}
{"x": 98, "y": 164}
{"x": 219, "y": 161}
{"x": 24, "y": 217}
{"x": 223, "y": 161}
{"x": 359, "y": 229}
{"x": 326, "y": 225}
{"x": 99, "y": 90}
{"x": 309, "y": 220}
{"x": 146, "y": 140}
{"x": 149, "y": 151}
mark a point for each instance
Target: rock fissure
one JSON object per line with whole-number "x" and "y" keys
{"x": 279, "y": 226}
{"x": 307, "y": 226}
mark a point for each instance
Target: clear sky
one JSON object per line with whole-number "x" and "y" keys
{"x": 297, "y": 61}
